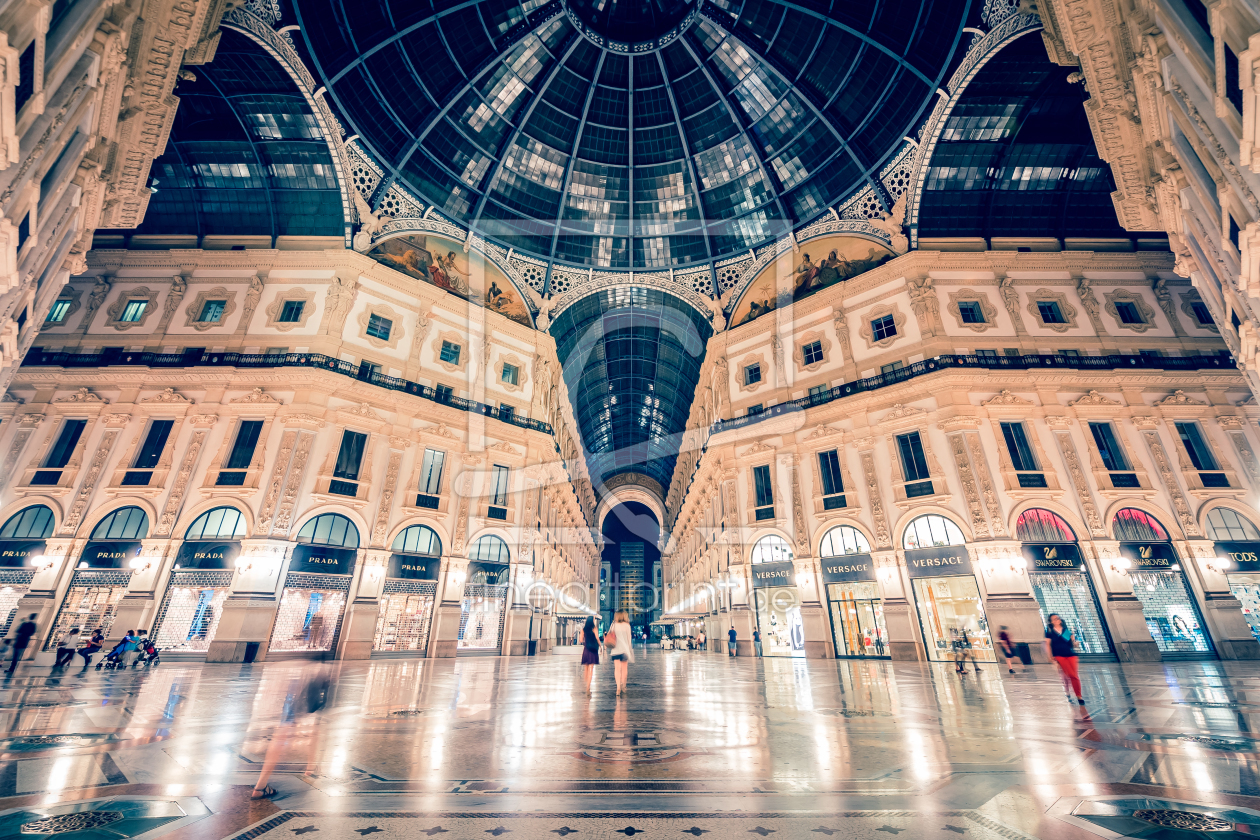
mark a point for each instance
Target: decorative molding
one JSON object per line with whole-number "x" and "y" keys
{"x": 193, "y": 311}
{"x": 1179, "y": 398}
{"x": 1093, "y": 519}
{"x": 899, "y": 318}
{"x": 88, "y": 486}
{"x": 758, "y": 447}
{"x": 257, "y": 396}
{"x": 1093, "y": 398}
{"x": 115, "y": 311}
{"x": 1246, "y": 455}
{"x": 883, "y": 537}
{"x": 83, "y": 395}
{"x": 1006, "y": 398}
{"x": 276, "y": 484}
{"x": 276, "y": 307}
{"x": 971, "y": 492}
{"x": 170, "y": 511}
{"x": 798, "y": 511}
{"x": 396, "y": 330}
{"x": 380, "y": 528}
{"x": 522, "y": 372}
{"x": 1188, "y": 300}
{"x": 901, "y": 412}
{"x": 925, "y": 304}
{"x": 1067, "y": 310}
{"x": 1180, "y": 506}
{"x": 461, "y": 341}
{"x": 985, "y": 477}
{"x": 748, "y": 361}
{"x": 822, "y": 432}
{"x": 284, "y": 514}
{"x": 309, "y": 421}
{"x": 1125, "y": 296}
{"x": 798, "y": 351}
{"x": 167, "y": 395}
{"x": 363, "y": 410}
{"x": 986, "y": 307}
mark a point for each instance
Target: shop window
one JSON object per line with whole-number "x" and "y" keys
{"x": 31, "y": 523}
{"x": 241, "y": 454}
{"x": 771, "y": 549}
{"x": 449, "y": 353}
{"x": 150, "y": 453}
{"x": 490, "y": 549}
{"x": 931, "y": 530}
{"x": 914, "y": 465}
{"x": 345, "y": 480}
{"x": 221, "y": 523}
{"x": 331, "y": 529}
{"x": 1133, "y": 525}
{"x": 418, "y": 539}
{"x": 1128, "y": 312}
{"x": 752, "y": 374}
{"x": 832, "y": 480}
{"x": 431, "y": 478}
{"x": 1223, "y": 525}
{"x": 971, "y": 312}
{"x": 57, "y": 458}
{"x": 764, "y": 493}
{"x": 58, "y": 312}
{"x": 498, "y": 493}
{"x": 1050, "y": 312}
{"x": 291, "y": 312}
{"x": 883, "y": 327}
{"x": 812, "y": 353}
{"x": 1201, "y": 455}
{"x": 379, "y": 327}
{"x": 842, "y": 540}
{"x": 1022, "y": 457}
{"x": 1042, "y": 526}
{"x": 1113, "y": 457}
{"x": 212, "y": 311}
{"x": 133, "y": 311}
{"x": 129, "y": 523}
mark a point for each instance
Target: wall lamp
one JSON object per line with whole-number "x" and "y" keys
{"x": 140, "y": 564}
{"x": 1220, "y": 565}
{"x": 42, "y": 562}
{"x": 1121, "y": 566}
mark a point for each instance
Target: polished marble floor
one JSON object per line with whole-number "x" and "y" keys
{"x": 701, "y": 743}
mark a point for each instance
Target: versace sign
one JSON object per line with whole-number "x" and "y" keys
{"x": 773, "y": 574}
{"x": 849, "y": 567}
{"x": 938, "y": 562}
{"x": 1053, "y": 557}
{"x": 1150, "y": 557}
{"x": 1243, "y": 556}
{"x": 323, "y": 558}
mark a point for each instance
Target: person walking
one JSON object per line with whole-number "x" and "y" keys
{"x": 1061, "y": 646}
{"x": 590, "y": 652}
{"x": 298, "y": 724}
{"x": 91, "y": 646}
{"x": 1008, "y": 649}
{"x": 622, "y": 648}
{"x": 66, "y": 647}
{"x": 757, "y": 642}
{"x": 703, "y": 640}
{"x": 731, "y": 646}
{"x": 22, "y": 639}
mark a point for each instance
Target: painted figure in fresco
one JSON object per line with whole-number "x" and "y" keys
{"x": 457, "y": 279}
{"x": 807, "y": 273}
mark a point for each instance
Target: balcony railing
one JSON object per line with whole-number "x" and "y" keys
{"x": 38, "y": 357}
{"x": 950, "y": 361}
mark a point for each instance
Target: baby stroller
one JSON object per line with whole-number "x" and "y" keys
{"x": 149, "y": 653}
{"x": 113, "y": 659}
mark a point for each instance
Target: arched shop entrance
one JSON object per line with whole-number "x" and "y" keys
{"x": 22, "y": 537}
{"x": 316, "y": 586}
{"x": 1238, "y": 544}
{"x": 776, "y": 603}
{"x": 102, "y": 575}
{"x": 631, "y": 534}
{"x": 406, "y": 611}
{"x": 484, "y": 607}
{"x": 1172, "y": 616}
{"x": 1060, "y": 580}
{"x": 200, "y": 582}
{"x": 946, "y": 592}
{"x": 857, "y": 610}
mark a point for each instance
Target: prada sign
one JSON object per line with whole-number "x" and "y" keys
{"x": 938, "y": 562}
{"x": 20, "y": 552}
{"x": 487, "y": 574}
{"x": 849, "y": 567}
{"x": 109, "y": 555}
{"x": 1150, "y": 557}
{"x": 323, "y": 558}
{"x": 413, "y": 566}
{"x": 1243, "y": 556}
{"x": 207, "y": 555}
{"x": 1053, "y": 557}
{"x": 774, "y": 574}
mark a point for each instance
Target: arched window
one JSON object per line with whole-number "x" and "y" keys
{"x": 771, "y": 549}
{"x": 129, "y": 523}
{"x": 221, "y": 523}
{"x": 1224, "y": 525}
{"x": 32, "y": 523}
{"x": 929, "y": 530}
{"x": 489, "y": 549}
{"x": 418, "y": 539}
{"x": 330, "y": 529}
{"x": 842, "y": 540}
{"x": 1133, "y": 525}
{"x": 1043, "y": 526}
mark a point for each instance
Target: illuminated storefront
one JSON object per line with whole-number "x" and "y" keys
{"x": 853, "y": 599}
{"x": 776, "y": 602}
{"x": 484, "y": 605}
{"x": 315, "y": 588}
{"x": 946, "y": 592}
{"x": 200, "y": 582}
{"x": 405, "y": 616}
{"x": 1060, "y": 580}
{"x": 102, "y": 575}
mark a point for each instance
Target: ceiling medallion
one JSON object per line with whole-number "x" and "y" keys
{"x": 1182, "y": 820}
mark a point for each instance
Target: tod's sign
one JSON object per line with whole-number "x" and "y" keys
{"x": 938, "y": 561}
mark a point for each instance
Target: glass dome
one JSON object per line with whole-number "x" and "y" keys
{"x": 641, "y": 135}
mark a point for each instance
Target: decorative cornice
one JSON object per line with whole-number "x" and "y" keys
{"x": 83, "y": 395}
{"x": 1094, "y": 398}
{"x": 256, "y": 396}
{"x": 1006, "y": 398}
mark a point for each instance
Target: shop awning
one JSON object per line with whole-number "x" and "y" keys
{"x": 674, "y": 619}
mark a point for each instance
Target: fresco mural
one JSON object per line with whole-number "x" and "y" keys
{"x": 795, "y": 275}
{"x": 442, "y": 262}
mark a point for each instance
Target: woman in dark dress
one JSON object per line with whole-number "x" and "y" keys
{"x": 590, "y": 651}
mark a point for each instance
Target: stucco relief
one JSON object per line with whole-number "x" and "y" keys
{"x": 1093, "y": 519}
{"x": 742, "y": 373}
{"x": 1166, "y": 473}
{"x": 455, "y": 339}
{"x": 119, "y": 307}
{"x": 1066, "y": 310}
{"x": 276, "y": 484}
{"x": 386, "y": 312}
{"x": 1143, "y": 308}
{"x": 192, "y": 312}
{"x": 522, "y": 372}
{"x": 276, "y": 308}
{"x": 883, "y": 537}
{"x": 805, "y": 339}
{"x": 987, "y": 309}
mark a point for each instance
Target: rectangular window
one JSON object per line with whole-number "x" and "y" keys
{"x": 1017, "y": 445}
{"x": 1012, "y": 352}
{"x": 212, "y": 311}
{"x": 1201, "y": 314}
{"x": 277, "y": 351}
{"x": 57, "y": 314}
{"x": 1071, "y": 354}
{"x": 752, "y": 374}
{"x": 754, "y": 410}
{"x": 511, "y": 374}
{"x": 889, "y": 368}
{"x": 59, "y": 455}
{"x": 150, "y": 453}
{"x": 1196, "y": 447}
{"x": 379, "y": 327}
{"x": 1109, "y": 447}
{"x": 431, "y": 471}
{"x": 1128, "y": 312}
{"x": 764, "y": 492}
{"x": 832, "y": 481}
{"x": 443, "y": 392}
{"x": 1233, "y": 92}
{"x": 133, "y": 311}
{"x": 499, "y": 486}
{"x": 812, "y": 353}
{"x": 818, "y": 391}
{"x": 26, "y": 78}
{"x": 291, "y": 312}
{"x": 883, "y": 327}
{"x": 368, "y": 369}
{"x": 913, "y": 460}
{"x": 349, "y": 459}
{"x": 987, "y": 354}
{"x": 1234, "y": 232}
{"x": 1050, "y": 313}
{"x": 450, "y": 353}
{"x": 241, "y": 454}
{"x": 506, "y": 412}
{"x": 971, "y": 311}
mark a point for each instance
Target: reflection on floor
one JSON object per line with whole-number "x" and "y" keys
{"x": 700, "y": 744}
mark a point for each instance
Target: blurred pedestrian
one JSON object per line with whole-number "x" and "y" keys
{"x": 1008, "y": 649}
{"x": 66, "y": 647}
{"x": 91, "y": 646}
{"x": 590, "y": 651}
{"x": 757, "y": 642}
{"x": 1061, "y": 647}
{"x": 621, "y": 647}
{"x": 704, "y": 641}
{"x": 298, "y": 725}
{"x": 731, "y": 645}
{"x": 22, "y": 639}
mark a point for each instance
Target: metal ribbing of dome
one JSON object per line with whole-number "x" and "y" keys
{"x": 724, "y": 128}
